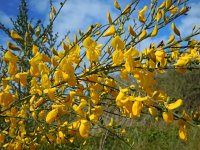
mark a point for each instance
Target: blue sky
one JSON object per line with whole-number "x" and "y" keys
{"x": 81, "y": 13}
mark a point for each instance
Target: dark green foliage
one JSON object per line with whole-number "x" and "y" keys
{"x": 182, "y": 85}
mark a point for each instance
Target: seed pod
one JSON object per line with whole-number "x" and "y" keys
{"x": 109, "y": 18}
{"x": 131, "y": 31}
{"x": 126, "y": 9}
{"x": 15, "y": 36}
{"x": 153, "y": 111}
{"x": 171, "y": 39}
{"x": 27, "y": 37}
{"x": 38, "y": 30}
{"x": 158, "y": 16}
{"x": 39, "y": 102}
{"x": 116, "y": 4}
{"x": 75, "y": 39}
{"x": 30, "y": 28}
{"x": 175, "y": 29}
{"x": 54, "y": 51}
{"x": 32, "y": 99}
{"x": 168, "y": 4}
{"x": 12, "y": 46}
{"x": 54, "y": 10}
{"x": 182, "y": 11}
{"x": 50, "y": 16}
{"x": 143, "y": 34}
{"x": 65, "y": 46}
{"x": 162, "y": 5}
{"x": 44, "y": 39}
{"x": 155, "y": 31}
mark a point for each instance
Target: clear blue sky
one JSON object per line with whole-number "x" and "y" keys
{"x": 81, "y": 13}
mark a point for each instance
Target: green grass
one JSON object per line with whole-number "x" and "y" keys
{"x": 155, "y": 136}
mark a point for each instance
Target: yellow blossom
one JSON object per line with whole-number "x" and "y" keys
{"x": 84, "y": 128}
{"x": 117, "y": 42}
{"x": 117, "y": 57}
{"x": 22, "y": 78}
{"x": 51, "y": 116}
{"x": 137, "y": 108}
{"x": 175, "y": 105}
{"x": 141, "y": 16}
{"x": 111, "y": 31}
{"x": 168, "y": 117}
{"x": 93, "y": 51}
{"x": 183, "y": 133}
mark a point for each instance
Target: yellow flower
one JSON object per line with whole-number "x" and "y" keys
{"x": 94, "y": 96}
{"x": 43, "y": 69}
{"x": 121, "y": 96}
{"x": 2, "y": 137}
{"x": 51, "y": 116}
{"x": 12, "y": 68}
{"x": 137, "y": 108}
{"x": 160, "y": 56}
{"x": 131, "y": 31}
{"x": 111, "y": 31}
{"x": 182, "y": 61}
{"x": 84, "y": 128}
{"x": 46, "y": 83}
{"x": 35, "y": 49}
{"x": 117, "y": 42}
{"x": 6, "y": 98}
{"x": 141, "y": 98}
{"x": 32, "y": 99}
{"x": 141, "y": 16}
{"x": 168, "y": 117}
{"x": 117, "y": 57}
{"x": 51, "y": 93}
{"x": 110, "y": 124}
{"x": 182, "y": 133}
{"x": 175, "y": 105}
{"x": 10, "y": 57}
{"x": 93, "y": 51}
{"x": 173, "y": 10}
{"x": 42, "y": 115}
{"x": 22, "y": 78}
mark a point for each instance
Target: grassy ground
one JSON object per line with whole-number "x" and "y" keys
{"x": 155, "y": 136}
{"x": 141, "y": 136}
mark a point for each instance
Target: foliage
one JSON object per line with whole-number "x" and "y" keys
{"x": 55, "y": 97}
{"x": 184, "y": 86}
